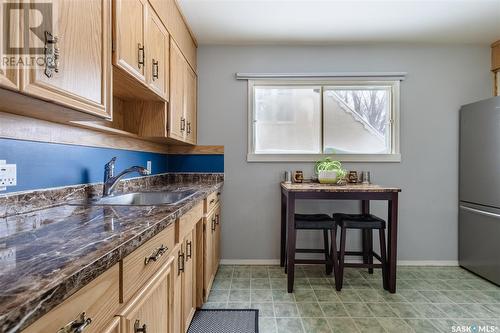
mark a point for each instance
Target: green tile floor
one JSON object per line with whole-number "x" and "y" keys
{"x": 429, "y": 299}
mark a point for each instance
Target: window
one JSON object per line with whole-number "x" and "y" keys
{"x": 304, "y": 120}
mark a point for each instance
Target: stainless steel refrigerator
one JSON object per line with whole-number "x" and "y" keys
{"x": 479, "y": 212}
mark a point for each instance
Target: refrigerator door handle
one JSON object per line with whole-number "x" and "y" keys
{"x": 477, "y": 211}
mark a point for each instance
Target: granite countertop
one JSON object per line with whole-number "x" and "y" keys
{"x": 317, "y": 187}
{"x": 57, "y": 250}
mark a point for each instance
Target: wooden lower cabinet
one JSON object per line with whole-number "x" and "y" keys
{"x": 160, "y": 296}
{"x": 211, "y": 251}
{"x": 151, "y": 309}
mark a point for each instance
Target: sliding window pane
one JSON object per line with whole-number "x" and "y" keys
{"x": 357, "y": 120}
{"x": 287, "y": 120}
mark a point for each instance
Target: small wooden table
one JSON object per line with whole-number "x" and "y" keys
{"x": 364, "y": 193}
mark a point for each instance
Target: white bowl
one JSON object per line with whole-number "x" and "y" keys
{"x": 328, "y": 177}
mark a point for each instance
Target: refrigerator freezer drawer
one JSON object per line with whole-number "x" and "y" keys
{"x": 479, "y": 245}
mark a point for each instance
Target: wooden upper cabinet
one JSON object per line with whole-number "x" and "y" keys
{"x": 190, "y": 83}
{"x": 495, "y": 56}
{"x": 9, "y": 73}
{"x": 129, "y": 34}
{"x": 177, "y": 120}
{"x": 151, "y": 308}
{"x": 78, "y": 74}
{"x": 157, "y": 55}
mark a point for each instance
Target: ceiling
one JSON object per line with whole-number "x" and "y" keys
{"x": 335, "y": 21}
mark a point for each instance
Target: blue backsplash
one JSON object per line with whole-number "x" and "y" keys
{"x": 44, "y": 165}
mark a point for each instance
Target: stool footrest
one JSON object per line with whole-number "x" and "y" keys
{"x": 360, "y": 265}
{"x": 310, "y": 250}
{"x": 311, "y": 261}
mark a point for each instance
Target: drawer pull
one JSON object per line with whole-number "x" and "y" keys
{"x": 138, "y": 328}
{"x": 156, "y": 254}
{"x": 77, "y": 326}
{"x": 211, "y": 201}
{"x": 189, "y": 249}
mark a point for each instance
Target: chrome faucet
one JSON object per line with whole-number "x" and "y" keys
{"x": 110, "y": 180}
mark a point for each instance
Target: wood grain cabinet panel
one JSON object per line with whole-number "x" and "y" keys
{"x": 98, "y": 300}
{"x": 141, "y": 264}
{"x": 158, "y": 55}
{"x": 189, "y": 278}
{"x": 177, "y": 120}
{"x": 129, "y": 35}
{"x": 80, "y": 77}
{"x": 151, "y": 307}
{"x": 9, "y": 73}
{"x": 178, "y": 323}
{"x": 190, "y": 96}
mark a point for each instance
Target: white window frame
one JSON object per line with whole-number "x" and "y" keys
{"x": 392, "y": 82}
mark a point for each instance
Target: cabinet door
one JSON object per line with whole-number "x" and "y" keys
{"x": 178, "y": 324}
{"x": 129, "y": 29}
{"x": 78, "y": 75}
{"x": 9, "y": 73}
{"x": 158, "y": 57}
{"x": 208, "y": 263}
{"x": 217, "y": 240}
{"x": 189, "y": 281}
{"x": 190, "y": 103}
{"x": 150, "y": 308}
{"x": 177, "y": 119}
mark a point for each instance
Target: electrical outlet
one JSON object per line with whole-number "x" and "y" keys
{"x": 8, "y": 175}
{"x": 149, "y": 167}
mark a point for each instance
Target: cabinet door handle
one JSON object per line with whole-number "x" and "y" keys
{"x": 189, "y": 249}
{"x": 213, "y": 223}
{"x": 140, "y": 55}
{"x": 211, "y": 201}
{"x": 180, "y": 263}
{"x": 156, "y": 254}
{"x": 138, "y": 328}
{"x": 155, "y": 69}
{"x": 217, "y": 219}
{"x": 183, "y": 124}
{"x": 77, "y": 326}
{"x": 189, "y": 127}
{"x": 51, "y": 54}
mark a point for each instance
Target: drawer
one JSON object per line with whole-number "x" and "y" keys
{"x": 188, "y": 221}
{"x": 98, "y": 300}
{"x": 211, "y": 201}
{"x": 140, "y": 265}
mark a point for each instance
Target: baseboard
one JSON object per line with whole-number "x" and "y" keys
{"x": 400, "y": 262}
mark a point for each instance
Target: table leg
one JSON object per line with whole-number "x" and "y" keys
{"x": 367, "y": 236}
{"x": 291, "y": 238}
{"x": 392, "y": 241}
{"x": 283, "y": 230}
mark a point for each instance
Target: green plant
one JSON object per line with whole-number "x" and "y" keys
{"x": 327, "y": 164}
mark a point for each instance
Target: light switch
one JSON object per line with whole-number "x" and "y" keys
{"x": 149, "y": 166}
{"x": 8, "y": 175}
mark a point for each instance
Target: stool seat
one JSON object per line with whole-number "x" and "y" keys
{"x": 314, "y": 221}
{"x": 359, "y": 221}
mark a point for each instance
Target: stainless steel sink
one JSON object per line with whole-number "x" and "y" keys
{"x": 145, "y": 198}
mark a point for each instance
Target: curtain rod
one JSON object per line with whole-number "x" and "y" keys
{"x": 381, "y": 75}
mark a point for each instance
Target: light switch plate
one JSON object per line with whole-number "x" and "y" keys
{"x": 8, "y": 175}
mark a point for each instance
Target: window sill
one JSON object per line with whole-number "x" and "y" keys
{"x": 375, "y": 158}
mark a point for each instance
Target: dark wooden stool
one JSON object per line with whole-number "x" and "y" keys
{"x": 367, "y": 223}
{"x": 319, "y": 222}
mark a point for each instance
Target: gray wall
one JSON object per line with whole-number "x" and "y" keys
{"x": 440, "y": 79}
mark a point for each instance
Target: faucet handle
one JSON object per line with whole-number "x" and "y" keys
{"x": 109, "y": 169}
